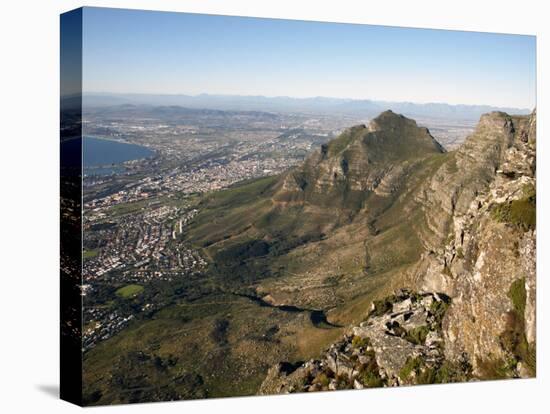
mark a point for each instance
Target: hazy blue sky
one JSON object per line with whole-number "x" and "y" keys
{"x": 176, "y": 53}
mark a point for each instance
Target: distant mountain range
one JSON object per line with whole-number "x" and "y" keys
{"x": 315, "y": 105}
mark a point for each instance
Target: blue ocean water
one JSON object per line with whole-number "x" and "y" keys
{"x": 104, "y": 157}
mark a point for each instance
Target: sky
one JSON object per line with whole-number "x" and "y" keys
{"x": 130, "y": 51}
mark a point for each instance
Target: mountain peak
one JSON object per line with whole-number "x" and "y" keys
{"x": 360, "y": 161}
{"x": 390, "y": 119}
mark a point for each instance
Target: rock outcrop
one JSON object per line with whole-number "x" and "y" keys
{"x": 399, "y": 343}
{"x": 466, "y": 173}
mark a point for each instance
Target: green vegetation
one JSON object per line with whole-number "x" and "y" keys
{"x": 370, "y": 378}
{"x": 196, "y": 335}
{"x": 513, "y": 339}
{"x": 427, "y": 376}
{"x": 129, "y": 291}
{"x": 162, "y": 380}
{"x": 219, "y": 331}
{"x": 240, "y": 193}
{"x": 322, "y": 379}
{"x": 388, "y": 143}
{"x": 343, "y": 382}
{"x": 128, "y": 208}
{"x": 341, "y": 143}
{"x": 518, "y": 295}
{"x": 412, "y": 365}
{"x": 452, "y": 168}
{"x": 418, "y": 335}
{"x": 438, "y": 309}
{"x": 453, "y": 372}
{"x": 202, "y": 339}
{"x": 416, "y": 371}
{"x": 90, "y": 254}
{"x": 359, "y": 342}
{"x": 382, "y": 306}
{"x": 496, "y": 368}
{"x": 520, "y": 213}
{"x": 369, "y": 373}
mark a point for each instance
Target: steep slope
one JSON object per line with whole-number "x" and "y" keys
{"x": 477, "y": 272}
{"x": 465, "y": 174}
{"x": 487, "y": 264}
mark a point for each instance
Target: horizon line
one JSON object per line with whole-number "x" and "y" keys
{"x": 302, "y": 98}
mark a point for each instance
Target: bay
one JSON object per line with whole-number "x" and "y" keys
{"x": 105, "y": 157}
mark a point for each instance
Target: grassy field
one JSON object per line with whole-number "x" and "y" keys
{"x": 89, "y": 254}
{"x": 176, "y": 200}
{"x": 129, "y": 291}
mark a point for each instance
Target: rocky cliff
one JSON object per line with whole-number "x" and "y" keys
{"x": 487, "y": 262}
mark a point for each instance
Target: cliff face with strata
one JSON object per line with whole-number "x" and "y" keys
{"x": 487, "y": 262}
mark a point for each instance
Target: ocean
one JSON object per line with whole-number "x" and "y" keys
{"x": 105, "y": 157}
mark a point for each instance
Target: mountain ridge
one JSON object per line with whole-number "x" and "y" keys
{"x": 325, "y": 105}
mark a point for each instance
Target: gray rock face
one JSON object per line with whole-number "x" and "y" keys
{"x": 464, "y": 175}
{"x": 373, "y": 353}
{"x": 528, "y": 254}
{"x": 388, "y": 333}
{"x": 483, "y": 256}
